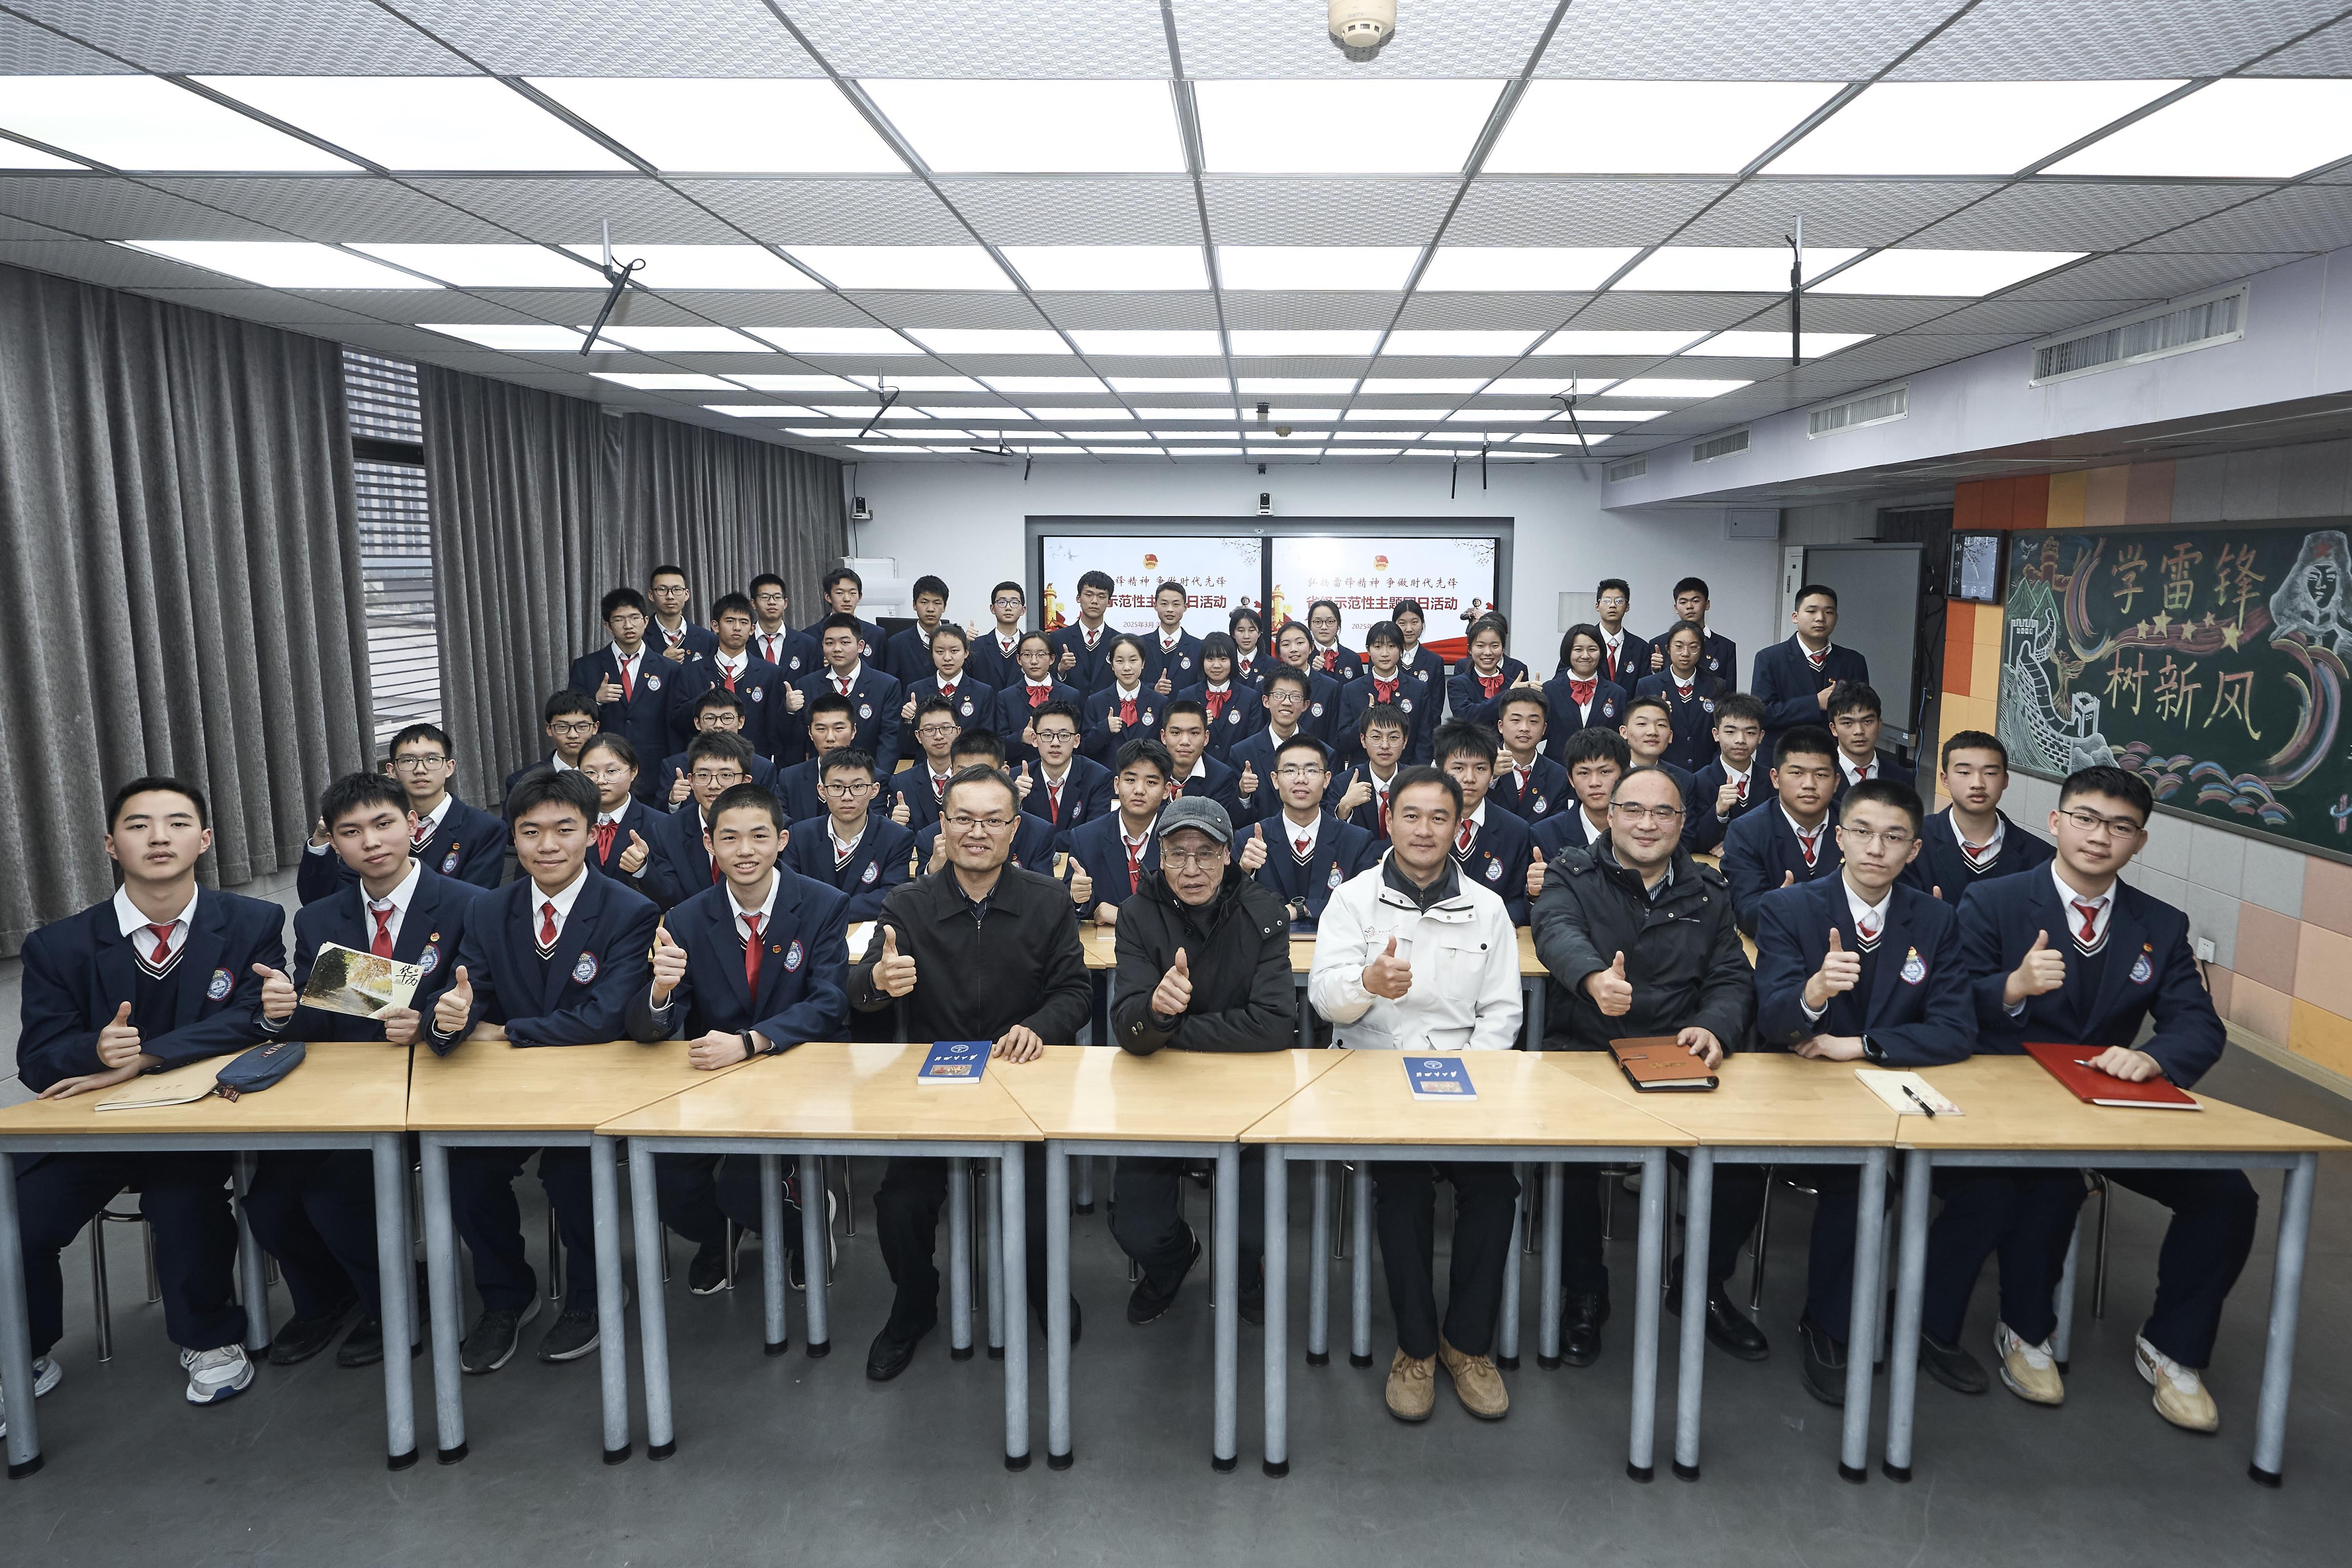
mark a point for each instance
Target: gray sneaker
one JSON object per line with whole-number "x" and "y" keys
{"x": 45, "y": 1376}
{"x": 492, "y": 1344}
{"x": 573, "y": 1336}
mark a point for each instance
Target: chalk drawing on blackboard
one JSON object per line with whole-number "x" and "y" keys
{"x": 2316, "y": 596}
{"x": 2040, "y": 733}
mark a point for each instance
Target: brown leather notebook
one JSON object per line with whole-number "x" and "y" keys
{"x": 1654, "y": 1064}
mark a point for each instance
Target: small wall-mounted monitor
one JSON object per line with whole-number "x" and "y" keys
{"x": 1976, "y": 567}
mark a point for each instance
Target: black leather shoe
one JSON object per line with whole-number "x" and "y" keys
{"x": 1731, "y": 1331}
{"x": 1580, "y": 1328}
{"x": 363, "y": 1346}
{"x": 1147, "y": 1303}
{"x": 1824, "y": 1366}
{"x": 893, "y": 1349}
{"x": 1252, "y": 1302}
{"x": 1077, "y": 1319}
{"x": 303, "y": 1338}
{"x": 1952, "y": 1366}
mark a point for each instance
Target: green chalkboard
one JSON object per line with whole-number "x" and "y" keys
{"x": 2210, "y": 661}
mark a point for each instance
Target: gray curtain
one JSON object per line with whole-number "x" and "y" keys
{"x": 176, "y": 516}
{"x": 541, "y": 503}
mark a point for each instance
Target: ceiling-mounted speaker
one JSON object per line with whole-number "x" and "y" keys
{"x": 1361, "y": 27}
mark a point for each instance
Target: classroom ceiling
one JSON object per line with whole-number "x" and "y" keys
{"x": 1108, "y": 230}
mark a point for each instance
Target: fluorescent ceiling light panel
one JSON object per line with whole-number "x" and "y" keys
{"x": 893, "y": 451}
{"x": 1531, "y": 415}
{"x": 1364, "y": 451}
{"x": 1149, "y": 343}
{"x": 903, "y": 266}
{"x": 142, "y": 123}
{"x": 866, "y": 411}
{"x": 1961, "y": 126}
{"x": 1321, "y": 267}
{"x": 1305, "y": 341}
{"x": 990, "y": 339}
{"x": 1127, "y": 451}
{"x": 1322, "y": 126}
{"x": 1724, "y": 268}
{"x": 1205, "y": 451}
{"x": 1564, "y": 127}
{"x": 1215, "y": 384}
{"x": 710, "y": 125}
{"x": 453, "y": 122}
{"x": 1945, "y": 274}
{"x": 1225, "y": 435}
{"x": 1108, "y": 269}
{"x": 1066, "y": 416}
{"x": 490, "y": 266}
{"x": 836, "y": 340}
{"x": 1115, "y": 435}
{"x": 1505, "y": 344}
{"x": 664, "y": 382}
{"x": 1393, "y": 415}
{"x": 1223, "y": 411}
{"x": 1379, "y": 384}
{"x": 926, "y": 383}
{"x": 1283, "y": 415}
{"x": 1298, "y": 385}
{"x": 680, "y": 339}
{"x": 1640, "y": 343}
{"x": 756, "y": 410}
{"x": 1007, "y": 126}
{"x": 702, "y": 266}
{"x": 519, "y": 339}
{"x": 1655, "y": 386}
{"x": 2270, "y": 128}
{"x": 281, "y": 263}
{"x": 1772, "y": 345}
{"x": 1055, "y": 383}
{"x": 836, "y": 384}
{"x": 983, "y": 412}
{"x": 16, "y": 155}
{"x": 1528, "y": 268}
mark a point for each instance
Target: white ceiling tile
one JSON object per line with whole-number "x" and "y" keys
{"x": 450, "y": 125}
{"x": 1456, "y": 38}
{"x": 651, "y": 38}
{"x": 113, "y": 265}
{"x": 2302, "y": 217}
{"x": 18, "y": 228}
{"x": 1588, "y": 127}
{"x": 1172, "y": 312}
{"x": 282, "y": 37}
{"x": 919, "y": 308}
{"x": 2146, "y": 275}
{"x": 1357, "y": 126}
{"x": 1048, "y": 127}
{"x": 1279, "y": 210}
{"x": 1557, "y": 210}
{"x": 699, "y": 124}
{"x": 1847, "y": 213}
{"x": 1042, "y": 38}
{"x": 564, "y": 209}
{"x": 1078, "y": 209}
{"x": 345, "y": 207}
{"x": 2021, "y": 40}
{"x": 1535, "y": 311}
{"x": 1302, "y": 310}
{"x": 2090, "y": 214}
{"x": 808, "y": 210}
{"x": 2326, "y": 53}
{"x": 28, "y": 50}
{"x": 102, "y": 206}
{"x": 142, "y": 123}
{"x": 1736, "y": 41}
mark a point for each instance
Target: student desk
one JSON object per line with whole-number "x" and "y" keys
{"x": 863, "y": 1099}
{"x": 491, "y": 1093}
{"x": 1777, "y": 1110}
{"x": 2015, "y": 1113}
{"x": 1104, "y": 1100}
{"x": 1525, "y": 1109}
{"x": 345, "y": 1095}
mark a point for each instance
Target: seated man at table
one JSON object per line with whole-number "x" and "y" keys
{"x": 1204, "y": 966}
{"x": 754, "y": 966}
{"x": 861, "y": 853}
{"x": 162, "y": 974}
{"x": 1638, "y": 941}
{"x": 553, "y": 958}
{"x": 1033, "y": 841}
{"x": 2044, "y": 951}
{"x": 1860, "y": 968}
{"x": 980, "y": 951}
{"x": 314, "y": 1209}
{"x": 1414, "y": 955}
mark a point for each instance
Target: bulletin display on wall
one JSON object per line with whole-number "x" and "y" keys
{"x": 2209, "y": 662}
{"x": 1219, "y": 574}
{"x": 1453, "y": 578}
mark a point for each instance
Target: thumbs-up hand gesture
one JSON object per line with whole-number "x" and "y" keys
{"x": 793, "y": 699}
{"x": 907, "y": 711}
{"x": 1247, "y": 783}
{"x": 1025, "y": 783}
{"x": 670, "y": 964}
{"x": 894, "y": 972}
{"x": 1082, "y": 886}
{"x": 1788, "y": 879}
{"x": 1174, "y": 991}
{"x": 609, "y": 690}
{"x": 1113, "y": 721}
{"x": 679, "y": 789}
{"x": 1389, "y": 975}
{"x": 1609, "y": 990}
{"x": 456, "y": 1005}
{"x": 118, "y": 1041}
{"x": 1253, "y": 852}
{"x": 1360, "y": 790}
{"x": 277, "y": 996}
{"x": 1536, "y": 876}
{"x": 1658, "y": 656}
{"x": 1938, "y": 891}
{"x": 319, "y": 836}
{"x": 1070, "y": 661}
{"x": 1839, "y": 971}
{"x": 901, "y": 813}
{"x": 675, "y": 652}
{"x": 1163, "y": 685}
{"x": 633, "y": 858}
{"x": 2043, "y": 972}
{"x": 939, "y": 853}
{"x": 1726, "y": 799}
{"x": 1525, "y": 678}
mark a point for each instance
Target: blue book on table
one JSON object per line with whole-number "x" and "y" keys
{"x": 954, "y": 1061}
{"x": 1438, "y": 1078}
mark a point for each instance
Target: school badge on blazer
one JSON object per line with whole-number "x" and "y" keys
{"x": 1707, "y": 703}
{"x": 652, "y": 683}
{"x": 759, "y": 693}
{"x": 967, "y": 707}
{"x": 1149, "y": 716}
{"x": 1233, "y": 716}
{"x": 866, "y": 710}
{"x": 584, "y": 972}
{"x": 1538, "y": 806}
{"x": 793, "y": 954}
{"x": 1185, "y": 661}
{"x": 1608, "y": 710}
{"x": 1915, "y": 968}
{"x": 873, "y": 869}
{"x": 796, "y": 662}
{"x": 1319, "y": 710}
{"x": 430, "y": 959}
{"x": 1405, "y": 704}
{"x": 1494, "y": 870}
{"x": 450, "y": 861}
{"x": 2142, "y": 970}
{"x": 1334, "y": 880}
{"x": 222, "y": 983}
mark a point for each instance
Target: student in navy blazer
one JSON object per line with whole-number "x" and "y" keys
{"x": 1082, "y": 647}
{"x": 314, "y": 1209}
{"x": 1033, "y": 686}
{"x": 1854, "y": 724}
{"x": 455, "y": 838}
{"x": 1528, "y": 784}
{"x": 1769, "y": 848}
{"x": 510, "y": 989}
{"x": 973, "y": 701}
{"x": 1139, "y": 787}
{"x": 635, "y": 690}
{"x": 681, "y": 864}
{"x": 907, "y": 654}
{"x": 1580, "y": 694}
{"x": 1321, "y": 716}
{"x": 1129, "y": 699}
{"x": 674, "y": 766}
{"x": 1500, "y": 846}
{"x": 568, "y": 719}
{"x": 107, "y": 995}
{"x": 620, "y": 833}
{"x": 734, "y": 666}
{"x": 1329, "y": 656}
{"x": 1973, "y": 838}
{"x": 996, "y": 655}
{"x": 793, "y": 652}
{"x": 1065, "y": 788}
{"x": 1382, "y": 741}
{"x": 861, "y": 852}
{"x": 1690, "y": 694}
{"x": 752, "y": 965}
{"x": 875, "y": 698}
{"x": 1334, "y": 851}
{"x": 1791, "y": 677}
{"x": 1170, "y": 654}
{"x": 1480, "y": 680}
{"x": 2073, "y": 954}
{"x": 1252, "y": 756}
{"x": 843, "y": 590}
{"x": 1736, "y": 782}
{"x": 1597, "y": 759}
{"x": 1234, "y": 708}
{"x": 1384, "y": 683}
{"x": 1184, "y": 731}
{"x": 1419, "y": 662}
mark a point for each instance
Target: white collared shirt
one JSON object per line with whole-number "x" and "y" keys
{"x": 857, "y": 673}
{"x": 766, "y": 908}
{"x": 135, "y": 924}
{"x": 1005, "y": 644}
{"x": 1044, "y": 685}
{"x": 772, "y": 644}
{"x": 842, "y": 850}
{"x": 1992, "y": 847}
{"x": 1126, "y": 694}
{"x": 2104, "y": 905}
{"x": 396, "y": 902}
{"x": 1169, "y": 640}
{"x": 1744, "y": 778}
{"x": 562, "y": 898}
{"x": 1864, "y": 916}
{"x": 629, "y": 662}
{"x": 1855, "y": 775}
{"x": 732, "y": 668}
{"x": 1291, "y": 833}
{"x": 430, "y": 823}
{"x": 1807, "y": 654}
{"x": 1820, "y": 833}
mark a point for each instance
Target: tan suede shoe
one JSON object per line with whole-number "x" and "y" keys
{"x": 1412, "y": 1386}
{"x": 2180, "y": 1395}
{"x": 2029, "y": 1371}
{"x": 1477, "y": 1381}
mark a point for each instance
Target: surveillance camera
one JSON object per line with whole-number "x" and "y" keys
{"x": 1360, "y": 27}
{"x": 858, "y": 511}
{"x": 1262, "y": 410}
{"x": 1265, "y": 497}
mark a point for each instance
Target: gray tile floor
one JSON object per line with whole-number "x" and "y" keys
{"x": 789, "y": 1457}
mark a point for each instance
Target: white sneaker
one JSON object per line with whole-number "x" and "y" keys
{"x": 47, "y": 1374}
{"x": 2180, "y": 1395}
{"x": 2031, "y": 1371}
{"x": 217, "y": 1374}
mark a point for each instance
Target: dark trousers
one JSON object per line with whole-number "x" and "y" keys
{"x": 737, "y": 1186}
{"x": 906, "y": 1227}
{"x": 2014, "y": 1213}
{"x": 186, "y": 1200}
{"x": 489, "y": 1222}
{"x": 314, "y": 1211}
{"x": 686, "y": 1195}
{"x": 1147, "y": 1222}
{"x": 1829, "y": 1260}
{"x": 1404, "y": 1205}
{"x": 1739, "y": 1204}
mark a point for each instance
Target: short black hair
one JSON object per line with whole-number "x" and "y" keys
{"x": 1595, "y": 743}
{"x": 978, "y": 742}
{"x": 1459, "y": 737}
{"x": 564, "y": 701}
{"x": 621, "y": 599}
{"x": 360, "y": 792}
{"x": 1008, "y": 582}
{"x": 1023, "y": 639}
{"x": 949, "y": 630}
{"x": 1804, "y": 741}
{"x": 1692, "y": 585}
{"x": 1330, "y": 605}
{"x": 557, "y": 786}
{"x": 1649, "y": 700}
{"x": 1131, "y": 641}
{"x": 841, "y": 575}
{"x": 1382, "y": 713}
{"x": 1739, "y": 705}
{"x": 1852, "y": 697}
{"x": 159, "y": 782}
{"x": 1414, "y": 778}
{"x": 1192, "y": 705}
{"x": 1144, "y": 749}
{"x": 840, "y": 620}
{"x": 830, "y": 702}
{"x": 1974, "y": 741}
{"x": 2129, "y": 788}
{"x": 1218, "y": 644}
{"x": 1301, "y": 738}
{"x": 927, "y": 584}
{"x": 1097, "y": 580}
{"x": 764, "y": 578}
{"x": 979, "y": 773}
{"x": 1244, "y": 613}
{"x": 1582, "y": 629}
{"x": 748, "y": 797}
{"x": 846, "y": 758}
{"x": 1524, "y": 694}
{"x": 1294, "y": 675}
{"x": 1172, "y": 585}
{"x": 1058, "y": 709}
{"x": 718, "y": 745}
{"x": 1384, "y": 631}
{"x": 677, "y": 571}
{"x": 415, "y": 733}
{"x": 1824, "y": 589}
{"x": 1885, "y": 792}
{"x": 1646, "y": 769}
{"x": 929, "y": 705}
{"x": 613, "y": 740}
{"x": 1608, "y": 583}
{"x": 1666, "y": 641}
{"x": 732, "y": 605}
{"x": 1492, "y": 621}
{"x": 719, "y": 696}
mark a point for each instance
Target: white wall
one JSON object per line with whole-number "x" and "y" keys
{"x": 964, "y": 521}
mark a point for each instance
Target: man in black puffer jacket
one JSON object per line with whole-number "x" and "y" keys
{"x": 1204, "y": 966}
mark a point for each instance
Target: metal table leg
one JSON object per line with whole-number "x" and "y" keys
{"x": 776, "y": 1335}
{"x": 252, "y": 1274}
{"x": 605, "y": 1186}
{"x": 1305, "y": 1018}
{"x": 442, "y": 1290}
{"x": 2286, "y": 1296}
{"x": 959, "y": 1259}
{"x": 1861, "y": 1330}
{"x": 2061, "y": 1342}
{"x": 16, "y": 1335}
{"x": 1277, "y": 1309}
{"x": 1360, "y": 1305}
{"x": 1643, "y": 1446}
{"x": 1225, "y": 1449}
{"x": 993, "y": 1202}
{"x": 1534, "y": 986}
{"x": 1910, "y": 1288}
{"x": 1698, "y": 1214}
{"x": 1085, "y": 1195}
{"x": 1319, "y": 1272}
{"x": 1012, "y": 1183}
{"x": 395, "y": 1278}
{"x": 1555, "y": 1180}
{"x": 817, "y": 1239}
{"x": 653, "y": 1308}
{"x": 1059, "y": 1456}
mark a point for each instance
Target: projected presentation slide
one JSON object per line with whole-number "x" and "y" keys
{"x": 1219, "y": 576}
{"x": 1365, "y": 575}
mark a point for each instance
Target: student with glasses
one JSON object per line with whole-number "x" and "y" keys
{"x": 849, "y": 846}
{"x": 1065, "y": 788}
{"x": 453, "y": 839}
{"x": 995, "y": 657}
{"x": 681, "y": 864}
{"x": 568, "y": 719}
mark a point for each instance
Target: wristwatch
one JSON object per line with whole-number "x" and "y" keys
{"x": 750, "y": 1043}
{"x": 1872, "y": 1051}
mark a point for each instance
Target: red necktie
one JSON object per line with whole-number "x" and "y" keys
{"x": 752, "y": 954}
{"x": 1383, "y": 797}
{"x": 605, "y": 832}
{"x": 2090, "y": 913}
{"x": 948, "y": 692}
{"x": 1581, "y": 691}
{"x": 547, "y": 926}
{"x": 769, "y": 645}
{"x": 716, "y": 875}
{"x": 1682, "y": 691}
{"x": 1215, "y": 703}
{"x": 1814, "y": 658}
{"x": 381, "y": 945}
{"x": 1978, "y": 855}
{"x": 1127, "y": 711}
{"x": 163, "y": 943}
{"x": 1467, "y": 836}
{"x": 1303, "y": 846}
{"x": 1861, "y": 774}
{"x": 1490, "y": 684}
{"x": 841, "y": 683}
{"x": 1866, "y": 930}
{"x": 1330, "y": 660}
{"x": 628, "y": 686}
{"x": 1134, "y": 862}
{"x": 1611, "y": 655}
{"x": 1090, "y": 638}
{"x": 1053, "y": 800}
{"x": 939, "y": 785}
{"x": 1810, "y": 843}
{"x": 729, "y": 675}
{"x": 1041, "y": 695}
{"x": 1175, "y": 788}
{"x": 1741, "y": 789}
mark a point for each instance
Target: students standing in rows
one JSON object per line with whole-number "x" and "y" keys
{"x": 1171, "y": 656}
{"x": 1420, "y": 663}
{"x": 1690, "y": 693}
{"x": 874, "y": 698}
{"x": 568, "y": 719}
{"x": 995, "y": 657}
{"x": 1854, "y": 723}
{"x": 1117, "y": 850}
{"x": 1528, "y": 785}
{"x": 1859, "y": 968}
{"x": 908, "y": 655}
{"x": 1234, "y": 706}
{"x": 553, "y": 958}
{"x": 1638, "y": 939}
{"x": 453, "y": 837}
{"x": 1065, "y": 788}
{"x": 1309, "y": 849}
{"x": 1721, "y": 655}
{"x": 981, "y": 951}
{"x": 1341, "y": 664}
{"x": 1973, "y": 838}
{"x": 1252, "y": 660}
{"x": 770, "y": 701}
{"x": 843, "y": 591}
{"x": 1790, "y": 841}
{"x": 670, "y": 635}
{"x": 858, "y": 851}
{"x": 1793, "y": 679}
{"x": 1581, "y": 694}
{"x": 314, "y": 1209}
{"x": 753, "y": 965}
{"x": 1252, "y": 756}
{"x": 1384, "y": 683}
{"x": 1204, "y": 966}
{"x": 681, "y": 866}
{"x": 2079, "y": 955}
{"x": 1493, "y": 848}
{"x": 1382, "y": 977}
{"x": 1381, "y": 737}
{"x": 717, "y": 711}
{"x": 634, "y": 691}
{"x": 1081, "y": 649}
{"x": 162, "y": 974}
{"x": 1017, "y": 705}
{"x": 1624, "y": 657}
{"x": 1478, "y": 684}
{"x": 793, "y": 652}
{"x": 1295, "y": 646}
{"x": 620, "y": 843}
{"x": 1727, "y": 788}
{"x": 1128, "y": 708}
{"x": 1184, "y": 731}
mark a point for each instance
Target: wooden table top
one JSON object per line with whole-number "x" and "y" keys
{"x": 866, "y": 1090}
{"x": 1101, "y": 1091}
{"x": 2011, "y": 1102}
{"x": 488, "y": 1085}
{"x": 342, "y": 1086}
{"x": 1765, "y": 1099}
{"x": 1523, "y": 1100}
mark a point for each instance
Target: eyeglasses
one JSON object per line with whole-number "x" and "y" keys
{"x": 1007, "y": 599}
{"x": 1193, "y": 859}
{"x": 1299, "y": 771}
{"x": 608, "y": 774}
{"x": 1631, "y": 811}
{"x": 705, "y": 776}
{"x": 1895, "y": 838}
{"x": 419, "y": 760}
{"x": 960, "y": 823}
{"x": 1058, "y": 735}
{"x": 935, "y": 730}
{"x": 580, "y": 727}
{"x": 849, "y": 789}
{"x": 2092, "y": 822}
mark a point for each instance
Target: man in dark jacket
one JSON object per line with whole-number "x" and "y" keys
{"x": 1639, "y": 939}
{"x": 1204, "y": 966}
{"x": 979, "y": 949}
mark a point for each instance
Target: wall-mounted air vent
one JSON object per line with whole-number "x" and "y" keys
{"x": 1630, "y": 468}
{"x": 1877, "y": 408}
{"x": 2153, "y": 333}
{"x": 1716, "y": 447}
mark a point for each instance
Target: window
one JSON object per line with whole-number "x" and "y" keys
{"x": 395, "y": 541}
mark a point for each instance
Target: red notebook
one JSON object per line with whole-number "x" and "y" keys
{"x": 2071, "y": 1064}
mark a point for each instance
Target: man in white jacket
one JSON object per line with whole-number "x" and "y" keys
{"x": 1411, "y": 957}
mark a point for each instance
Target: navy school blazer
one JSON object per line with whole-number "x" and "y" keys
{"x": 794, "y": 653}
{"x": 701, "y": 641}
{"x": 1919, "y": 1009}
{"x": 913, "y": 785}
{"x": 1565, "y": 719}
{"x": 1786, "y": 683}
{"x": 871, "y": 639}
{"x": 1099, "y": 741}
{"x": 1218, "y": 782}
{"x": 1085, "y": 795}
{"x": 1940, "y": 863}
{"x": 469, "y": 845}
{"x": 908, "y": 655}
{"x": 975, "y": 701}
{"x": 79, "y": 970}
{"x": 1887, "y": 768}
{"x": 803, "y": 991}
{"x": 1091, "y": 673}
{"x": 1632, "y": 663}
{"x": 1013, "y": 710}
{"x": 644, "y": 716}
{"x": 1357, "y": 698}
{"x": 1242, "y": 715}
{"x": 764, "y": 774}
{"x": 1181, "y": 663}
{"x": 1096, "y": 845}
{"x": 1692, "y": 746}
{"x": 1343, "y": 664}
{"x": 1498, "y": 860}
{"x": 768, "y": 719}
{"x": 1546, "y": 792}
{"x": 1342, "y": 850}
{"x": 1703, "y": 831}
{"x": 1254, "y": 752}
{"x": 873, "y": 703}
{"x": 642, "y": 820}
{"x": 581, "y": 993}
{"x": 876, "y": 865}
{"x": 996, "y": 667}
{"x": 430, "y": 934}
{"x": 1565, "y": 828}
{"x": 1465, "y": 698}
{"x": 679, "y": 867}
{"x": 1761, "y": 848}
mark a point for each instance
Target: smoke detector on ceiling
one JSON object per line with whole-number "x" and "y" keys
{"x": 1361, "y": 27}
